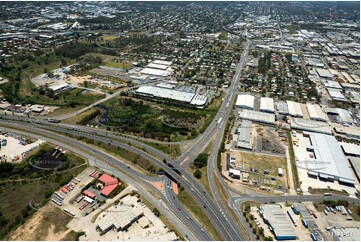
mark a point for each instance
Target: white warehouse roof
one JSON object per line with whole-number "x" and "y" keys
{"x": 316, "y": 113}
{"x": 257, "y": 116}
{"x": 310, "y": 125}
{"x": 324, "y": 73}
{"x": 245, "y": 101}
{"x": 267, "y": 105}
{"x": 157, "y": 66}
{"x": 155, "y": 72}
{"x": 161, "y": 62}
{"x": 294, "y": 109}
{"x": 278, "y": 220}
{"x": 329, "y": 159}
{"x": 166, "y": 93}
{"x": 350, "y": 149}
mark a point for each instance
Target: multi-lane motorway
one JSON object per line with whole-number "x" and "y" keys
{"x": 213, "y": 206}
{"x": 222, "y": 222}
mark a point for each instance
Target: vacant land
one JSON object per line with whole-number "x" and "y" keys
{"x": 24, "y": 187}
{"x": 48, "y": 223}
{"x": 156, "y": 121}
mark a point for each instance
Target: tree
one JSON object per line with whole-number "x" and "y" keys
{"x": 197, "y": 174}
{"x": 201, "y": 160}
{"x": 6, "y": 167}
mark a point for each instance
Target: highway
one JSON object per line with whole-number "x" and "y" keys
{"x": 189, "y": 183}
{"x": 222, "y": 221}
{"x": 184, "y": 221}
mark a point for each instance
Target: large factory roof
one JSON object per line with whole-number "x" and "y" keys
{"x": 294, "y": 109}
{"x": 324, "y": 73}
{"x": 267, "y": 105}
{"x": 316, "y": 113}
{"x": 155, "y": 72}
{"x": 310, "y": 125}
{"x": 245, "y": 101}
{"x": 166, "y": 93}
{"x": 282, "y": 108}
{"x": 245, "y": 135}
{"x": 278, "y": 221}
{"x": 329, "y": 159}
{"x": 257, "y": 116}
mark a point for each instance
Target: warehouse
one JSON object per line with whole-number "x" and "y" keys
{"x": 157, "y": 66}
{"x": 350, "y": 149}
{"x": 352, "y": 132}
{"x": 278, "y": 221}
{"x": 345, "y": 234}
{"x": 336, "y": 94}
{"x": 329, "y": 162}
{"x": 155, "y": 72}
{"x": 344, "y": 115}
{"x": 331, "y": 84}
{"x": 245, "y": 101}
{"x": 245, "y": 135}
{"x": 119, "y": 218}
{"x": 171, "y": 94}
{"x": 316, "y": 113}
{"x": 282, "y": 108}
{"x": 161, "y": 62}
{"x": 294, "y": 109}
{"x": 324, "y": 73}
{"x": 257, "y": 116}
{"x": 267, "y": 105}
{"x": 355, "y": 165}
{"x": 310, "y": 125}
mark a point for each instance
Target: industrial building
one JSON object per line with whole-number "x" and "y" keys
{"x": 278, "y": 221}
{"x": 351, "y": 132}
{"x": 329, "y": 162}
{"x": 336, "y": 94}
{"x": 245, "y": 140}
{"x": 118, "y": 218}
{"x": 355, "y": 165}
{"x": 308, "y": 220}
{"x": 294, "y": 109}
{"x": 324, "y": 73}
{"x": 345, "y": 116}
{"x": 155, "y": 72}
{"x": 267, "y": 105}
{"x": 282, "y": 108}
{"x": 245, "y": 101}
{"x": 257, "y": 116}
{"x": 350, "y": 149}
{"x": 315, "y": 112}
{"x": 310, "y": 125}
{"x": 172, "y": 94}
{"x": 345, "y": 234}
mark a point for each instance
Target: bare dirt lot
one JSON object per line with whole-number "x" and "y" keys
{"x": 48, "y": 223}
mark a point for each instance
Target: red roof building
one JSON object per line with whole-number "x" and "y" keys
{"x": 108, "y": 189}
{"x": 89, "y": 194}
{"x": 108, "y": 180}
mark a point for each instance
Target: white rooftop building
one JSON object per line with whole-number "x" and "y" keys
{"x": 245, "y": 101}
{"x": 267, "y": 105}
{"x": 329, "y": 161}
{"x": 155, "y": 72}
{"x": 294, "y": 109}
{"x": 310, "y": 125}
{"x": 316, "y": 113}
{"x": 257, "y": 116}
{"x": 324, "y": 73}
{"x": 118, "y": 217}
{"x": 172, "y": 94}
